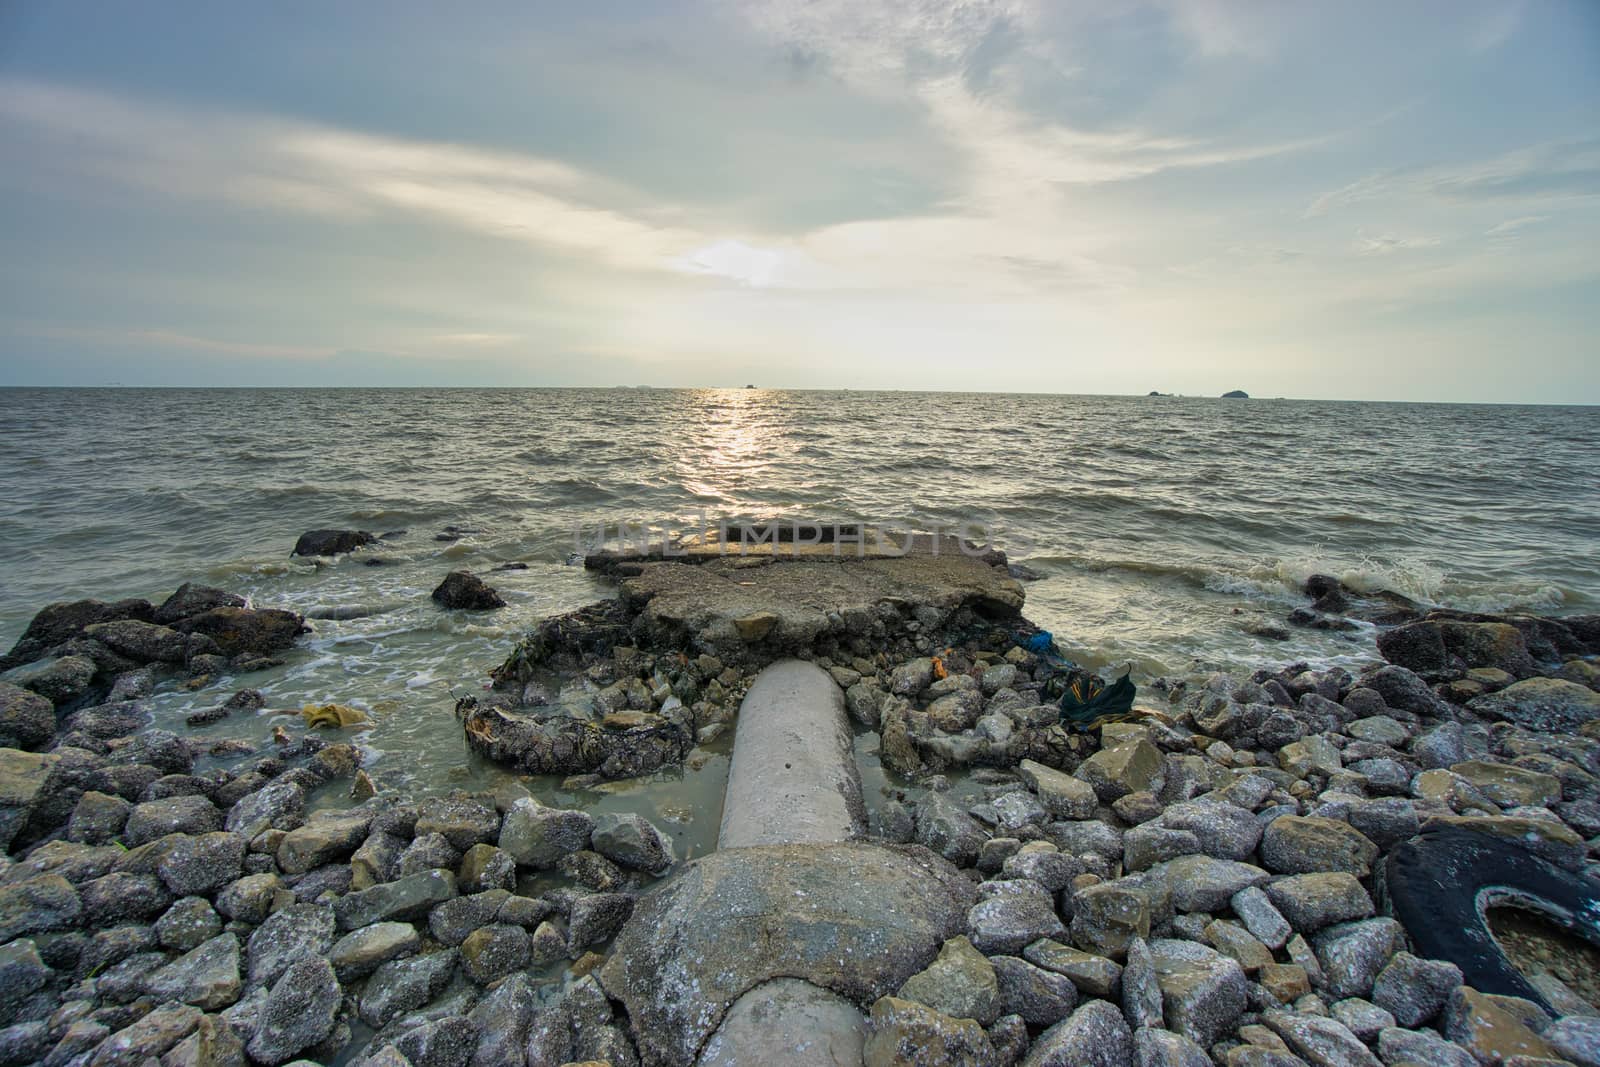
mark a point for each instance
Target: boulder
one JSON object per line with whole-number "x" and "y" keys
{"x": 331, "y": 542}
{"x": 58, "y": 623}
{"x": 27, "y": 720}
{"x": 1062, "y": 795}
{"x": 409, "y": 898}
{"x": 1205, "y": 883}
{"x": 1203, "y": 992}
{"x": 465, "y": 591}
{"x": 960, "y": 982}
{"x": 329, "y": 836}
{"x": 141, "y": 642}
{"x": 903, "y": 1031}
{"x": 1510, "y": 786}
{"x": 300, "y": 1011}
{"x": 207, "y": 976}
{"x": 1122, "y": 769}
{"x": 632, "y": 841}
{"x": 296, "y": 932}
{"x": 1313, "y": 901}
{"x": 1320, "y": 1040}
{"x": 191, "y": 599}
{"x": 359, "y": 953}
{"x": 1294, "y": 844}
{"x": 246, "y": 631}
{"x": 402, "y": 985}
{"x": 1095, "y": 1035}
{"x": 1546, "y": 705}
{"x": 1415, "y": 990}
{"x": 539, "y": 837}
{"x": 23, "y": 778}
{"x": 727, "y": 922}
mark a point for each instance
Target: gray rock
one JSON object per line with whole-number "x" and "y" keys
{"x": 503, "y": 1017}
{"x": 1301, "y": 845}
{"x": 1226, "y": 831}
{"x": 1414, "y": 990}
{"x": 427, "y": 852}
{"x": 1141, "y": 987}
{"x": 1362, "y": 1017}
{"x": 1313, "y": 901}
{"x": 202, "y": 863}
{"x": 1261, "y": 918}
{"x": 463, "y": 822}
{"x": 1106, "y": 917}
{"x": 149, "y": 1037}
{"x": 27, "y": 720}
{"x": 187, "y": 925}
{"x": 98, "y": 818}
{"x": 24, "y": 1043}
{"x": 359, "y": 953}
{"x": 1546, "y": 705}
{"x": 409, "y": 899}
{"x": 1087, "y": 837}
{"x": 451, "y": 921}
{"x": 948, "y": 831}
{"x": 1577, "y": 1038}
{"x": 538, "y": 837}
{"x": 1151, "y": 843}
{"x": 902, "y": 1031}
{"x": 402, "y": 985}
{"x": 1386, "y": 821}
{"x": 1203, "y": 992}
{"x": 1037, "y": 996}
{"x": 172, "y": 815}
{"x": 1051, "y": 869}
{"x": 22, "y": 973}
{"x": 1093, "y": 1036}
{"x": 270, "y": 806}
{"x": 490, "y": 953}
{"x": 207, "y": 977}
{"x": 1062, "y": 795}
{"x": 60, "y": 681}
{"x": 447, "y": 1042}
{"x": 142, "y": 642}
{"x": 1402, "y": 689}
{"x": 327, "y": 837}
{"x": 249, "y": 899}
{"x": 1320, "y": 1041}
{"x": 1443, "y": 746}
{"x": 1005, "y": 924}
{"x": 1122, "y": 769}
{"x": 1423, "y": 1048}
{"x": 487, "y": 867}
{"x": 1154, "y": 1047}
{"x": 1205, "y": 883}
{"x": 1093, "y": 975}
{"x": 292, "y": 934}
{"x": 596, "y": 918}
{"x": 119, "y": 897}
{"x": 1352, "y": 954}
{"x": 300, "y": 1012}
{"x": 960, "y": 983}
{"x": 633, "y": 842}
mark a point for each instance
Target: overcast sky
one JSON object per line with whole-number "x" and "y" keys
{"x": 1342, "y": 200}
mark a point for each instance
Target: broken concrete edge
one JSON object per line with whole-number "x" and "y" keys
{"x": 793, "y": 778}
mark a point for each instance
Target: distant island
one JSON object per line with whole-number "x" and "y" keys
{"x": 1237, "y": 394}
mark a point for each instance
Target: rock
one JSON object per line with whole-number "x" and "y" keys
{"x": 1162, "y": 1048}
{"x": 462, "y": 590}
{"x": 207, "y": 977}
{"x": 1414, "y": 990}
{"x": 98, "y": 818}
{"x": 1005, "y": 923}
{"x": 596, "y": 918}
{"x": 1261, "y": 917}
{"x": 537, "y": 836}
{"x": 1151, "y": 843}
{"x": 426, "y": 853}
{"x": 1577, "y": 1038}
{"x": 948, "y": 831}
{"x": 1494, "y": 1028}
{"x": 331, "y": 542}
{"x": 492, "y": 952}
{"x": 463, "y": 823}
{"x": 191, "y": 599}
{"x": 960, "y": 982}
{"x": 1093, "y": 1036}
{"x": 401, "y": 985}
{"x": 911, "y": 678}
{"x": 1095, "y": 976}
{"x": 1403, "y": 689}
{"x": 1203, "y": 992}
{"x": 1351, "y": 954}
{"x": 454, "y": 919}
{"x": 1205, "y": 883}
{"x": 147, "y": 1038}
{"x": 1235, "y": 941}
{"x": 327, "y": 837}
{"x": 1062, "y": 795}
{"x": 1126, "y": 768}
{"x": 359, "y": 953}
{"x": 202, "y": 863}
{"x": 1225, "y": 831}
{"x": 1294, "y": 844}
{"x": 703, "y": 938}
{"x": 633, "y": 842}
{"x": 487, "y": 867}
{"x": 172, "y": 815}
{"x": 1310, "y": 755}
{"x": 1141, "y": 987}
{"x": 22, "y": 973}
{"x": 268, "y": 807}
{"x": 1089, "y": 837}
{"x": 1285, "y": 982}
{"x": 1510, "y": 786}
{"x": 1313, "y": 901}
{"x": 248, "y": 899}
{"x": 446, "y": 1042}
{"x": 1423, "y": 1048}
{"x": 58, "y": 623}
{"x": 187, "y": 925}
{"x": 1385, "y": 821}
{"x": 1362, "y": 1018}
{"x": 296, "y": 932}
{"x": 408, "y": 898}
{"x": 246, "y": 632}
{"x": 23, "y": 777}
{"x": 1320, "y": 1041}
{"x": 1107, "y": 917}
{"x": 1041, "y": 863}
{"x": 27, "y": 720}
{"x": 141, "y": 642}
{"x": 502, "y": 1018}
{"x": 1547, "y": 705}
{"x": 903, "y": 1031}
{"x": 300, "y": 1012}
{"x": 37, "y": 905}
{"x": 1037, "y": 996}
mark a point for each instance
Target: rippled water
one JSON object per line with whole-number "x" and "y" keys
{"x": 1161, "y": 525}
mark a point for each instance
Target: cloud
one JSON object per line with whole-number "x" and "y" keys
{"x": 1561, "y": 169}
{"x": 1387, "y": 243}
{"x": 1510, "y": 227}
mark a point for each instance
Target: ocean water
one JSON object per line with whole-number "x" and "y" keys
{"x": 1162, "y": 526}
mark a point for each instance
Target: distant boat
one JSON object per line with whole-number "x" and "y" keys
{"x": 1236, "y": 394}
{"x": 749, "y": 387}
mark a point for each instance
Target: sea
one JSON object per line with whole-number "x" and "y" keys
{"x": 1166, "y": 532}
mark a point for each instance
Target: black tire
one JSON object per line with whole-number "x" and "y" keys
{"x": 1441, "y": 884}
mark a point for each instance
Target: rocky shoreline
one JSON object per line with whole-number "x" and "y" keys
{"x": 1199, "y": 886}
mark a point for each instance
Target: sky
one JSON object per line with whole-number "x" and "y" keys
{"x": 1389, "y": 201}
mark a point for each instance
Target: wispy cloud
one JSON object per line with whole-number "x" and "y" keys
{"x": 1384, "y": 244}
{"x": 1562, "y": 169}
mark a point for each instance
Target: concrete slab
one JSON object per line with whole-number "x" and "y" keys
{"x": 787, "y": 1021}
